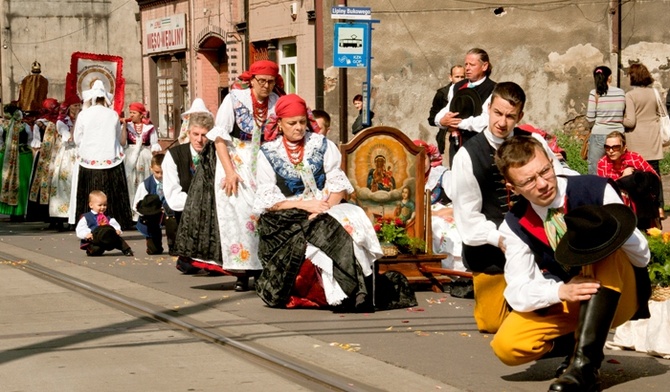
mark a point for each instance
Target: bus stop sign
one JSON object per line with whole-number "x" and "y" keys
{"x": 352, "y": 45}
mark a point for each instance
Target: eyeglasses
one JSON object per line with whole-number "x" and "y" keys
{"x": 546, "y": 173}
{"x": 264, "y": 82}
{"x": 615, "y": 148}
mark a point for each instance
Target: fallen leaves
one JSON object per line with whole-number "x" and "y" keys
{"x": 14, "y": 263}
{"x": 353, "y": 347}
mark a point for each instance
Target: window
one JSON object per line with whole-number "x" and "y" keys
{"x": 172, "y": 92}
{"x": 288, "y": 58}
{"x": 165, "y": 97}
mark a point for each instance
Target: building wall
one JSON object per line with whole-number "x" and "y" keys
{"x": 156, "y": 11}
{"x": 272, "y": 20}
{"x": 549, "y": 50}
{"x": 49, "y": 31}
{"x": 210, "y": 23}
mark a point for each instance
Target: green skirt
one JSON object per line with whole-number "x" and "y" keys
{"x": 25, "y": 168}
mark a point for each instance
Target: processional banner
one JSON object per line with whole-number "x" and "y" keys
{"x": 86, "y": 68}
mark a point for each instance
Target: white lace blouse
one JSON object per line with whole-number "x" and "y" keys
{"x": 268, "y": 193}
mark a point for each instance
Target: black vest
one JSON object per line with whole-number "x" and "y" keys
{"x": 496, "y": 201}
{"x": 484, "y": 89}
{"x": 182, "y": 157}
{"x": 581, "y": 190}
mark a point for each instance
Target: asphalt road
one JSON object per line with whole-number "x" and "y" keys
{"x": 437, "y": 339}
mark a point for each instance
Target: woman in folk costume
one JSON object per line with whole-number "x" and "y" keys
{"x": 142, "y": 144}
{"x": 316, "y": 251}
{"x": 227, "y": 175}
{"x": 446, "y": 239}
{"x": 16, "y": 162}
{"x": 63, "y": 162}
{"x": 45, "y": 140}
{"x": 230, "y": 162}
{"x": 99, "y": 139}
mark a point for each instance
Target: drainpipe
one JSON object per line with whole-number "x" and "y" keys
{"x": 344, "y": 101}
{"x": 318, "y": 53}
{"x": 246, "y": 35}
{"x": 615, "y": 41}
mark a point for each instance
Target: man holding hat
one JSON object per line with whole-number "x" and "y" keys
{"x": 469, "y": 99}
{"x": 481, "y": 202}
{"x": 575, "y": 263}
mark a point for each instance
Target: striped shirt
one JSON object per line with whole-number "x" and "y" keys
{"x": 608, "y": 112}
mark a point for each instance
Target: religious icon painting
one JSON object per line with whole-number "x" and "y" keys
{"x": 386, "y": 170}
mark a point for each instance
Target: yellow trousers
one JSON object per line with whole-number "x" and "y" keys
{"x": 527, "y": 336}
{"x": 490, "y": 305}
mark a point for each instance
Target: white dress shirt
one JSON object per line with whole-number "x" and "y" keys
{"x": 475, "y": 229}
{"x": 527, "y": 289}
{"x": 474, "y": 124}
{"x": 82, "y": 229}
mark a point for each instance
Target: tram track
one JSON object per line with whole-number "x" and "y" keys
{"x": 304, "y": 374}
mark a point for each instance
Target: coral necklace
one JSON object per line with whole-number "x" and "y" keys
{"x": 260, "y": 109}
{"x": 294, "y": 150}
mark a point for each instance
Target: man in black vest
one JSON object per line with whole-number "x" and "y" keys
{"x": 575, "y": 264}
{"x": 481, "y": 201}
{"x": 178, "y": 168}
{"x": 461, "y": 128}
{"x": 441, "y": 100}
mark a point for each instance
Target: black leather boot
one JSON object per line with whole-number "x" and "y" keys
{"x": 595, "y": 320}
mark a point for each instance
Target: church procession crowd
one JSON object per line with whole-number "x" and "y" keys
{"x": 257, "y": 191}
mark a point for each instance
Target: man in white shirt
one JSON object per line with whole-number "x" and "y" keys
{"x": 462, "y": 127}
{"x": 571, "y": 248}
{"x": 481, "y": 201}
{"x": 178, "y": 168}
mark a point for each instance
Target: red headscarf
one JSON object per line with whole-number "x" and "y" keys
{"x": 432, "y": 152}
{"x": 138, "y": 107}
{"x": 290, "y": 105}
{"x": 50, "y": 109}
{"x": 261, "y": 67}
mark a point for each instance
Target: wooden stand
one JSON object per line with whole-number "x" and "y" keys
{"x": 421, "y": 269}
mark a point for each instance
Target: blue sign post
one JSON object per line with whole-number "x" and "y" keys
{"x": 352, "y": 46}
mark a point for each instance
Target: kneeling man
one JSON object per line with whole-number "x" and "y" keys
{"x": 574, "y": 264}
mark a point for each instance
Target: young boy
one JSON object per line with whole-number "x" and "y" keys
{"x": 150, "y": 203}
{"x": 97, "y": 231}
{"x": 323, "y": 119}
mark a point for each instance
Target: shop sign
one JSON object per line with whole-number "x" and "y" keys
{"x": 165, "y": 34}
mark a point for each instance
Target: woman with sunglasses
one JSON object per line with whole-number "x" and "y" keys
{"x": 637, "y": 180}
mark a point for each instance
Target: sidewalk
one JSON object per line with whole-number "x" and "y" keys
{"x": 55, "y": 339}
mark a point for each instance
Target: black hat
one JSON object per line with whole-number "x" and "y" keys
{"x": 594, "y": 232}
{"x": 105, "y": 236}
{"x": 150, "y": 205}
{"x": 466, "y": 102}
